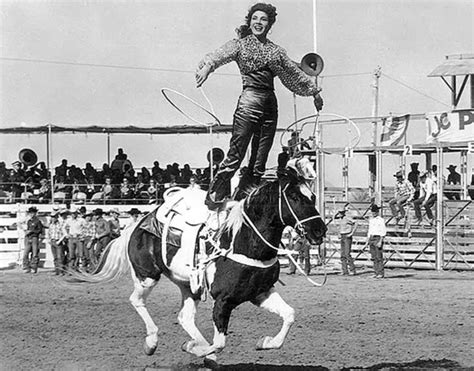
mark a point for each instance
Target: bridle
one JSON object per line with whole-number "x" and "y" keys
{"x": 299, "y": 223}
{"x": 299, "y": 228}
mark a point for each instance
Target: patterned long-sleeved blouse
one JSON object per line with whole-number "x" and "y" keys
{"x": 252, "y": 56}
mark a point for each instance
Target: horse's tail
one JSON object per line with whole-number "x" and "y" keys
{"x": 113, "y": 263}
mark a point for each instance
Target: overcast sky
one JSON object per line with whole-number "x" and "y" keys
{"x": 408, "y": 39}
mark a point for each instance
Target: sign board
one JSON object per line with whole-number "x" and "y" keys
{"x": 455, "y": 126}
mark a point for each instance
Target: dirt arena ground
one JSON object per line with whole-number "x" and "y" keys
{"x": 411, "y": 320}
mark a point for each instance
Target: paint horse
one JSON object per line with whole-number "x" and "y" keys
{"x": 246, "y": 267}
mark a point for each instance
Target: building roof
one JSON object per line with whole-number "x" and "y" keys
{"x": 455, "y": 65}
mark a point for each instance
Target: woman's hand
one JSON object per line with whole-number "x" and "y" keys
{"x": 318, "y": 102}
{"x": 202, "y": 74}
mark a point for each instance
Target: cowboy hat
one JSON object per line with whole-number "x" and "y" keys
{"x": 32, "y": 209}
{"x": 134, "y": 211}
{"x": 98, "y": 211}
{"x": 114, "y": 210}
{"x": 398, "y": 174}
{"x": 453, "y": 167}
{"x": 423, "y": 174}
{"x": 374, "y": 208}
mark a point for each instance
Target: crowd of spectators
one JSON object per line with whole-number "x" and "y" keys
{"x": 118, "y": 183}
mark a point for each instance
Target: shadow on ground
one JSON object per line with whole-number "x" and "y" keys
{"x": 443, "y": 364}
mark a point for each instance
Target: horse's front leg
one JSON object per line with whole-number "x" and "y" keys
{"x": 186, "y": 318}
{"x": 273, "y": 302}
{"x": 221, "y": 316}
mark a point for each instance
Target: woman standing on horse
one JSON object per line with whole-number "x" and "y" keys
{"x": 255, "y": 117}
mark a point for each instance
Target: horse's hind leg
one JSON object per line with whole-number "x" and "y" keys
{"x": 273, "y": 302}
{"x": 138, "y": 300}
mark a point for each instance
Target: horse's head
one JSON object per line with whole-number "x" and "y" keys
{"x": 297, "y": 206}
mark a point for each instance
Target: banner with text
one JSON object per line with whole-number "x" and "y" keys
{"x": 394, "y": 130}
{"x": 455, "y": 126}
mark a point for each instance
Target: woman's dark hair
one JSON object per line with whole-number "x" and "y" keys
{"x": 269, "y": 9}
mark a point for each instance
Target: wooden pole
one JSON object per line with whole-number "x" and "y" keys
{"x": 375, "y": 103}
{"x": 439, "y": 212}
{"x": 108, "y": 148}
{"x": 50, "y": 163}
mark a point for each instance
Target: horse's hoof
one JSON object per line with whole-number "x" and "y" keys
{"x": 261, "y": 343}
{"x": 210, "y": 361}
{"x": 149, "y": 350}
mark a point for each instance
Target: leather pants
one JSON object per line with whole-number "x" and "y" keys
{"x": 255, "y": 120}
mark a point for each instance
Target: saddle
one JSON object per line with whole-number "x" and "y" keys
{"x": 178, "y": 222}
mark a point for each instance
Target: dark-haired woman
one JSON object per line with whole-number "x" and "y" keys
{"x": 255, "y": 118}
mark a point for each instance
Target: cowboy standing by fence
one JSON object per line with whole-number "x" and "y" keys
{"x": 56, "y": 236}
{"x": 347, "y": 227}
{"x": 34, "y": 228}
{"x": 376, "y": 234}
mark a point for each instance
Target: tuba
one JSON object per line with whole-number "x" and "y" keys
{"x": 28, "y": 157}
{"x": 217, "y": 155}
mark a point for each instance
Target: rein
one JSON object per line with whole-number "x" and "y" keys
{"x": 298, "y": 226}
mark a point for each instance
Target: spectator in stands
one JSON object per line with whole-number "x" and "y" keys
{"x": 34, "y": 228}
{"x": 145, "y": 175}
{"x": 114, "y": 223}
{"x": 156, "y": 170}
{"x": 102, "y": 233}
{"x": 91, "y": 187}
{"x": 413, "y": 178}
{"x": 61, "y": 187}
{"x": 107, "y": 188}
{"x": 126, "y": 191}
{"x": 193, "y": 184}
{"x": 89, "y": 171}
{"x": 140, "y": 189}
{"x": 117, "y": 163}
{"x": 44, "y": 191}
{"x": 62, "y": 170}
{"x": 56, "y": 237}
{"x": 427, "y": 198}
{"x": 17, "y": 176}
{"x": 375, "y": 239}
{"x": 404, "y": 192}
{"x": 78, "y": 193}
{"x": 74, "y": 231}
{"x": 152, "y": 190}
{"x": 186, "y": 174}
{"x": 88, "y": 241}
{"x": 454, "y": 178}
{"x": 347, "y": 227}
{"x": 104, "y": 173}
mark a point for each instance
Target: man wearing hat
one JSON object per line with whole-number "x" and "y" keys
{"x": 102, "y": 233}
{"x": 347, "y": 227}
{"x": 56, "y": 236}
{"x": 34, "y": 228}
{"x": 454, "y": 178}
{"x": 375, "y": 238}
{"x": 74, "y": 230}
{"x": 404, "y": 192}
{"x": 114, "y": 223}
{"x": 414, "y": 178}
{"x": 428, "y": 196}
{"x": 134, "y": 216}
{"x": 88, "y": 241}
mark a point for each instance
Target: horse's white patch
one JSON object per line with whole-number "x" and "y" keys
{"x": 306, "y": 191}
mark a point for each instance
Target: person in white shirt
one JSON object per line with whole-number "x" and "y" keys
{"x": 375, "y": 238}
{"x": 427, "y": 198}
{"x": 74, "y": 231}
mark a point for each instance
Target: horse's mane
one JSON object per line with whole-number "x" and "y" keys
{"x": 235, "y": 219}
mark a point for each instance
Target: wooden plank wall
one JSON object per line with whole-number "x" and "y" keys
{"x": 12, "y": 224}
